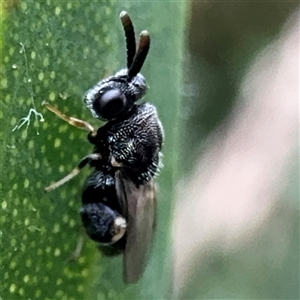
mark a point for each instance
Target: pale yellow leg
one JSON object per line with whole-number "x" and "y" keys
{"x": 75, "y": 255}
{"x": 75, "y": 171}
{"x": 63, "y": 180}
{"x": 71, "y": 120}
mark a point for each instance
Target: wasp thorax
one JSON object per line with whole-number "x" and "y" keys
{"x": 110, "y": 103}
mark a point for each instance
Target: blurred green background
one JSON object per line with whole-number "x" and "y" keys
{"x": 222, "y": 41}
{"x": 55, "y": 51}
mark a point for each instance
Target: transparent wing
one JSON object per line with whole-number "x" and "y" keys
{"x": 139, "y": 208}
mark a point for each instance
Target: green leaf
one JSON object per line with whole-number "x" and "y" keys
{"x": 55, "y": 51}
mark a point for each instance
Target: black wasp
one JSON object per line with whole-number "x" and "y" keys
{"x": 119, "y": 198}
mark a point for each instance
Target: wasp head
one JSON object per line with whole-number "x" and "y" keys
{"x": 115, "y": 96}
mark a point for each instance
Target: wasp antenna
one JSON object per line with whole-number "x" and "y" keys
{"x": 130, "y": 38}
{"x": 141, "y": 54}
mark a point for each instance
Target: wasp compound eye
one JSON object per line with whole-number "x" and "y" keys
{"x": 110, "y": 103}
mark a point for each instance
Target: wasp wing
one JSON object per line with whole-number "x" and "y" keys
{"x": 139, "y": 208}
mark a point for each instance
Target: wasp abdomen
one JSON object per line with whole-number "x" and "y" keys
{"x": 102, "y": 224}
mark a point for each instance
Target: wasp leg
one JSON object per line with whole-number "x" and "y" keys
{"x": 71, "y": 120}
{"x": 75, "y": 255}
{"x": 87, "y": 159}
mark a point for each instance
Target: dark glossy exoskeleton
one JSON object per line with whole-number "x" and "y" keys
{"x": 119, "y": 197}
